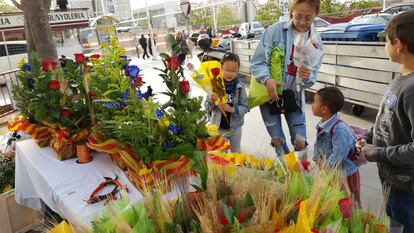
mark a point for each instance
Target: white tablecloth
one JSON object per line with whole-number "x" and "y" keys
{"x": 63, "y": 185}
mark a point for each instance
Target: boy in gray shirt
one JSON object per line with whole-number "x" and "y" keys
{"x": 390, "y": 142}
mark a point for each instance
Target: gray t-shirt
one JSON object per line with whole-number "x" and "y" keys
{"x": 394, "y": 130}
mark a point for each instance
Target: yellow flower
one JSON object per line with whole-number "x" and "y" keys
{"x": 228, "y": 156}
{"x": 239, "y": 159}
{"x": 21, "y": 63}
{"x": 212, "y": 130}
{"x": 268, "y": 163}
{"x": 164, "y": 122}
{"x": 255, "y": 162}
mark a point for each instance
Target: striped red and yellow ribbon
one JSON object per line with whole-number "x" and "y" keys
{"x": 141, "y": 175}
{"x": 62, "y": 143}
{"x": 213, "y": 144}
{"x": 41, "y": 134}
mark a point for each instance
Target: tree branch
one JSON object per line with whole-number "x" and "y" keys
{"x": 18, "y": 5}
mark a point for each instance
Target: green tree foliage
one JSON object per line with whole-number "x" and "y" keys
{"x": 202, "y": 16}
{"x": 180, "y": 19}
{"x": 268, "y": 13}
{"x": 6, "y": 7}
{"x": 226, "y": 17}
{"x": 330, "y": 7}
{"x": 364, "y": 4}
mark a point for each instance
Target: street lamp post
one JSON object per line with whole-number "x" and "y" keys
{"x": 214, "y": 18}
{"x": 103, "y": 7}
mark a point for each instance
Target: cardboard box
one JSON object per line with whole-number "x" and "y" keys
{"x": 14, "y": 217}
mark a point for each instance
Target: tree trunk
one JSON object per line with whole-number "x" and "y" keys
{"x": 38, "y": 32}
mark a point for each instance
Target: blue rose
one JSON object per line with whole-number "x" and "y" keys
{"x": 133, "y": 71}
{"x": 159, "y": 113}
{"x": 174, "y": 129}
{"x": 27, "y": 67}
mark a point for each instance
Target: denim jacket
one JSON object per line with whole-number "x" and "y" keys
{"x": 240, "y": 109}
{"x": 336, "y": 148}
{"x": 281, "y": 34}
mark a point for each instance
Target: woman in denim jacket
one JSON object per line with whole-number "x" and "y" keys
{"x": 282, "y": 35}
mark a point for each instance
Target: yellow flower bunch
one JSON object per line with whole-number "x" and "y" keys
{"x": 247, "y": 160}
{"x": 212, "y": 130}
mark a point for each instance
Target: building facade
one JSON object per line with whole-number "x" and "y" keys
{"x": 119, "y": 9}
{"x": 163, "y": 15}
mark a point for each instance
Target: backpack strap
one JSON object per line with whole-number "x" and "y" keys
{"x": 333, "y": 127}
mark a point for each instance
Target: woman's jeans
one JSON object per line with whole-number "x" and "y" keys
{"x": 400, "y": 206}
{"x": 296, "y": 123}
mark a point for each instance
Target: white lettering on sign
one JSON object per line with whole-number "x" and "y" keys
{"x": 70, "y": 16}
{"x": 55, "y": 17}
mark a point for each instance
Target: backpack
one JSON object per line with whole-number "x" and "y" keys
{"x": 357, "y": 132}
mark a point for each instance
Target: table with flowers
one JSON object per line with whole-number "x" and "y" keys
{"x": 63, "y": 185}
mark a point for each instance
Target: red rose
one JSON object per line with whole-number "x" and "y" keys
{"x": 54, "y": 85}
{"x": 96, "y": 56}
{"x": 173, "y": 63}
{"x": 65, "y": 112}
{"x": 224, "y": 221}
{"x": 345, "y": 207}
{"x": 48, "y": 65}
{"x": 138, "y": 81}
{"x": 241, "y": 217}
{"x": 313, "y": 230}
{"x": 305, "y": 164}
{"x": 215, "y": 71}
{"x": 92, "y": 94}
{"x": 185, "y": 86}
{"x": 79, "y": 57}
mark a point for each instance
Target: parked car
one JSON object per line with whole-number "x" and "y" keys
{"x": 256, "y": 29}
{"x": 320, "y": 24}
{"x": 361, "y": 28}
{"x": 398, "y": 8}
{"x": 379, "y": 18}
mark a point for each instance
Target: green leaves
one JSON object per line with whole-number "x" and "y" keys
{"x": 228, "y": 213}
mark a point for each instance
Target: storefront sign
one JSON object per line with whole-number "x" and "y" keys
{"x": 55, "y": 17}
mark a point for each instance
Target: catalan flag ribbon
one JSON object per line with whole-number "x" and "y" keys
{"x": 62, "y": 143}
{"x": 213, "y": 144}
{"x": 141, "y": 175}
{"x": 40, "y": 134}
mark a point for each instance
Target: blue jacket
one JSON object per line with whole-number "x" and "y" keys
{"x": 240, "y": 109}
{"x": 336, "y": 148}
{"x": 281, "y": 34}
